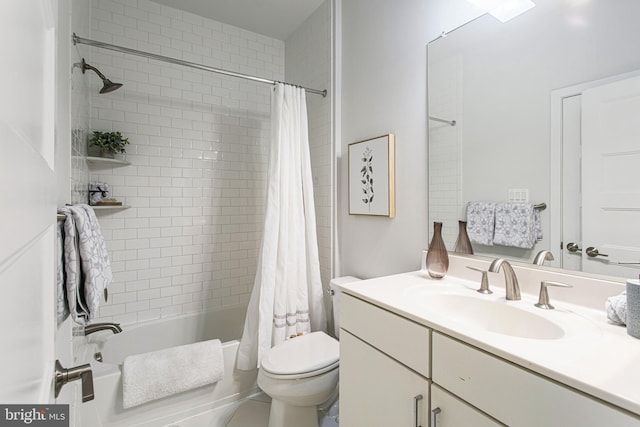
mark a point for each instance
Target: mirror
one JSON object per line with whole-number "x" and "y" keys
{"x": 526, "y": 100}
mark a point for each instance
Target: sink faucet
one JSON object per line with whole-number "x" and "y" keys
{"x": 543, "y": 256}
{"x": 510, "y": 279}
{"x": 113, "y": 327}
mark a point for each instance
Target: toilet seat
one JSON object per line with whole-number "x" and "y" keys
{"x": 302, "y": 357}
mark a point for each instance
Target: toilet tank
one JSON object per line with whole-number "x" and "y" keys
{"x": 334, "y": 285}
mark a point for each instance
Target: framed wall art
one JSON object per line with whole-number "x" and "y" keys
{"x": 371, "y": 177}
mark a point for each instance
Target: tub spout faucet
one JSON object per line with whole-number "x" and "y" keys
{"x": 543, "y": 256}
{"x": 510, "y": 279}
{"x": 113, "y": 327}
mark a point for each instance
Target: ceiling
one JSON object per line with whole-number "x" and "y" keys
{"x": 273, "y": 18}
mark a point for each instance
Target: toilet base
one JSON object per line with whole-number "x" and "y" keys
{"x": 283, "y": 415}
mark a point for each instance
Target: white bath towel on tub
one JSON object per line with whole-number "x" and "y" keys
{"x": 161, "y": 373}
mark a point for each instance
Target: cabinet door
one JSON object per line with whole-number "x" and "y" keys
{"x": 449, "y": 411}
{"x": 376, "y": 390}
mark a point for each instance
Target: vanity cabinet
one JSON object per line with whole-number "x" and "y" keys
{"x": 397, "y": 372}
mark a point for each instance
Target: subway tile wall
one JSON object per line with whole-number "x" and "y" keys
{"x": 198, "y": 154}
{"x": 445, "y": 148}
{"x": 80, "y": 107}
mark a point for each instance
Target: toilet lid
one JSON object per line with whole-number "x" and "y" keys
{"x": 306, "y": 353}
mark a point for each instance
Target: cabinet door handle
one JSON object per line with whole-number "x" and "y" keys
{"x": 416, "y": 409}
{"x": 434, "y": 416}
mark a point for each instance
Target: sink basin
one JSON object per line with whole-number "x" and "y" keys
{"x": 495, "y": 316}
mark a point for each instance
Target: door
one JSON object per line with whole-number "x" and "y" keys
{"x": 27, "y": 191}
{"x": 610, "y": 178}
{"x": 572, "y": 188}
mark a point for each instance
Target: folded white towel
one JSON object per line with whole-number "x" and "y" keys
{"x": 480, "y": 222}
{"x": 516, "y": 225}
{"x": 158, "y": 374}
{"x": 617, "y": 309}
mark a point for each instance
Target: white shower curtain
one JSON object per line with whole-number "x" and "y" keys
{"x": 287, "y": 293}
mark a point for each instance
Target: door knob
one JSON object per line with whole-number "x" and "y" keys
{"x": 593, "y": 252}
{"x": 573, "y": 247}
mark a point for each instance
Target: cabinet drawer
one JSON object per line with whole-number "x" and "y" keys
{"x": 514, "y": 395}
{"x": 404, "y": 340}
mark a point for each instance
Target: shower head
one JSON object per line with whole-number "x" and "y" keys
{"x": 107, "y": 85}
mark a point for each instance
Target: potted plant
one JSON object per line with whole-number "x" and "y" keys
{"x": 107, "y": 144}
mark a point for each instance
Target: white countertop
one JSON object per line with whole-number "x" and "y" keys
{"x": 594, "y": 356}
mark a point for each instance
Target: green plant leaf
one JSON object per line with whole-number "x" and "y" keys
{"x": 111, "y": 142}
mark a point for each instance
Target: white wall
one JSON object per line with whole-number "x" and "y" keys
{"x": 308, "y": 63}
{"x": 384, "y": 90}
{"x": 199, "y": 145}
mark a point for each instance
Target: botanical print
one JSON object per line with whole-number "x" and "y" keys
{"x": 367, "y": 176}
{"x": 371, "y": 177}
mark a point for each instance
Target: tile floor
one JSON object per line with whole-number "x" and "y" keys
{"x": 252, "y": 411}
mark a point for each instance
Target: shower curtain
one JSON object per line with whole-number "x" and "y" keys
{"x": 287, "y": 295}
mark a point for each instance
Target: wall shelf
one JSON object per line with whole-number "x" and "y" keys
{"x": 104, "y": 162}
{"x": 110, "y": 208}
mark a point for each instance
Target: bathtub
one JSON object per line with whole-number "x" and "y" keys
{"x": 107, "y": 410}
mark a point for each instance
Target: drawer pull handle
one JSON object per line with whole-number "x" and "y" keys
{"x": 434, "y": 416}
{"x": 416, "y": 409}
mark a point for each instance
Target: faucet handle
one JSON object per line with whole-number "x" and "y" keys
{"x": 484, "y": 283}
{"x": 543, "y": 298}
{"x": 83, "y": 372}
{"x": 543, "y": 256}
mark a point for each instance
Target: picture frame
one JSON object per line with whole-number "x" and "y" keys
{"x": 372, "y": 176}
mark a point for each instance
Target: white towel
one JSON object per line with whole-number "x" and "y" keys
{"x": 516, "y": 225}
{"x": 87, "y": 266}
{"x": 480, "y": 222}
{"x": 617, "y": 309}
{"x": 158, "y": 374}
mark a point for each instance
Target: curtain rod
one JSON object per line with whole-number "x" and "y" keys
{"x": 102, "y": 45}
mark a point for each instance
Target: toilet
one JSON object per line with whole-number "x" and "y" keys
{"x": 302, "y": 373}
